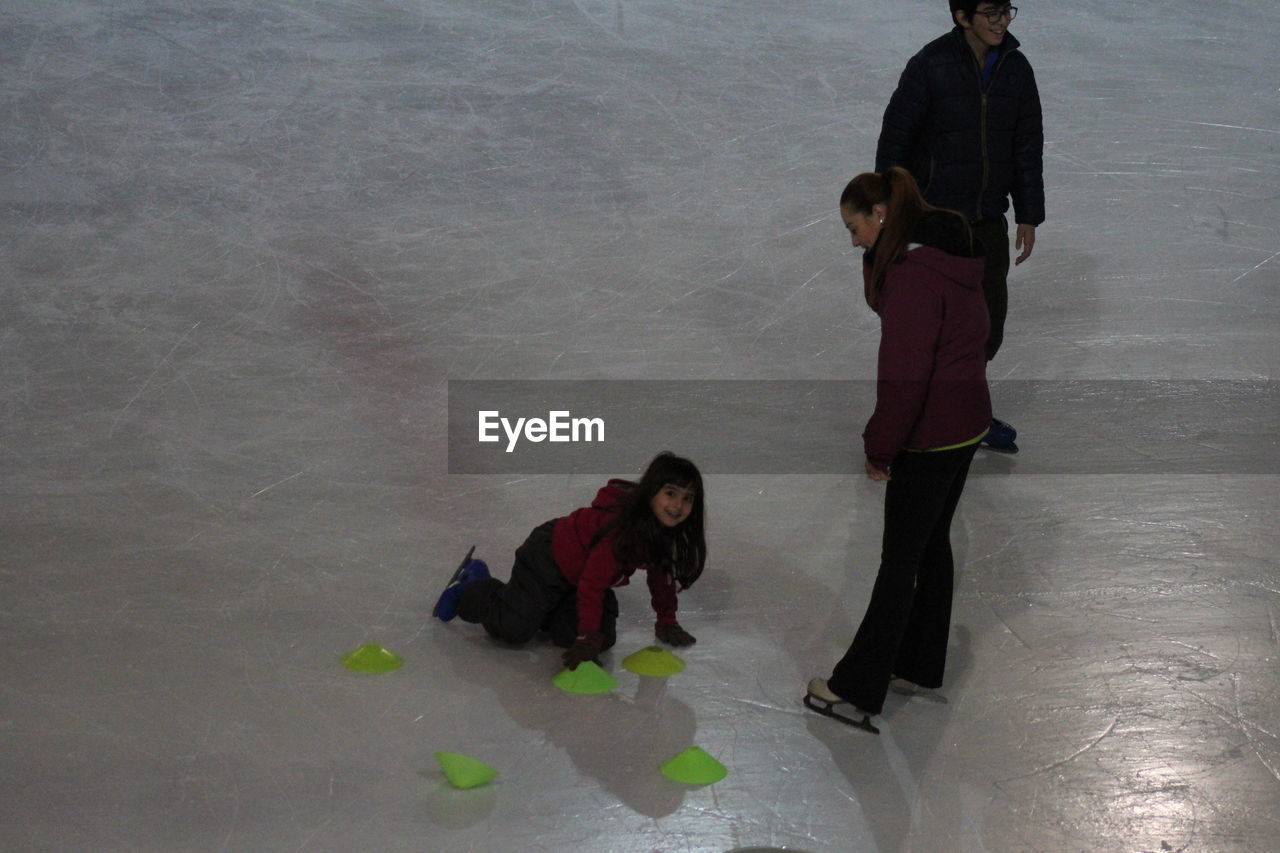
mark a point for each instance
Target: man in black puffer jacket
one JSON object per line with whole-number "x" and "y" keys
{"x": 965, "y": 121}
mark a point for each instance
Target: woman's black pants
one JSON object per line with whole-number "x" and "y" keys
{"x": 904, "y": 632}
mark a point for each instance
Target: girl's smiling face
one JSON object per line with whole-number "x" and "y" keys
{"x": 672, "y": 505}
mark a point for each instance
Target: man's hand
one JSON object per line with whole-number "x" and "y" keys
{"x": 1024, "y": 241}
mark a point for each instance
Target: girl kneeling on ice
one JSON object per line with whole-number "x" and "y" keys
{"x": 564, "y": 572}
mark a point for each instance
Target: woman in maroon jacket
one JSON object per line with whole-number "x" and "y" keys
{"x": 564, "y": 573}
{"x": 922, "y": 273}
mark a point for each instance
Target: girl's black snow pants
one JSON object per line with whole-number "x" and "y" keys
{"x": 538, "y": 597}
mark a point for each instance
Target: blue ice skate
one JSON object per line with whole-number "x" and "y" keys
{"x": 1001, "y": 437}
{"x": 469, "y": 570}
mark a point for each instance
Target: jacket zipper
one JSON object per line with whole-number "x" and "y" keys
{"x": 986, "y": 164}
{"x": 982, "y": 117}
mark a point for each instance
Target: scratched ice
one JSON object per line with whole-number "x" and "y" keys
{"x": 246, "y": 245}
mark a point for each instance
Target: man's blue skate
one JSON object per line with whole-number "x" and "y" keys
{"x": 468, "y": 570}
{"x": 1001, "y": 437}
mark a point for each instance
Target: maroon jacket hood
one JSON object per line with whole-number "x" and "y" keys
{"x": 931, "y": 388}
{"x": 612, "y": 495}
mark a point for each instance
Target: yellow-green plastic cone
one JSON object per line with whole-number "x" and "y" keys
{"x": 463, "y": 771}
{"x": 653, "y": 660}
{"x": 372, "y": 657}
{"x": 587, "y": 678}
{"x": 694, "y": 767}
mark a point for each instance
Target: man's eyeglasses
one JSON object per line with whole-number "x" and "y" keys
{"x": 993, "y": 16}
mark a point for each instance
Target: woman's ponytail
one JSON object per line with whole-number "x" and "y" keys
{"x": 897, "y": 191}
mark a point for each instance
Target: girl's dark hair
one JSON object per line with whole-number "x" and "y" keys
{"x": 897, "y": 191}
{"x": 640, "y": 539}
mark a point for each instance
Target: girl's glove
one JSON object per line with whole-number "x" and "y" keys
{"x": 673, "y": 635}
{"x": 584, "y": 648}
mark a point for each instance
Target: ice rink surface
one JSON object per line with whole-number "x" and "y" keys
{"x": 246, "y": 245}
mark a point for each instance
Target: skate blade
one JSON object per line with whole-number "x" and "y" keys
{"x": 1007, "y": 449}
{"x": 457, "y": 573}
{"x": 812, "y": 703}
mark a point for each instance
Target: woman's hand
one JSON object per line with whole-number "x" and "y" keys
{"x": 878, "y": 474}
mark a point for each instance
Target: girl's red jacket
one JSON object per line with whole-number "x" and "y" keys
{"x": 594, "y": 569}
